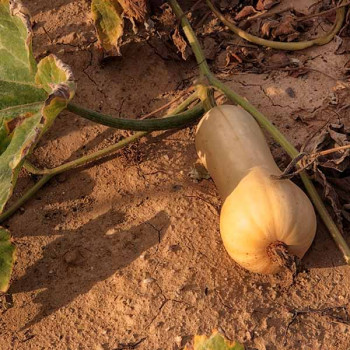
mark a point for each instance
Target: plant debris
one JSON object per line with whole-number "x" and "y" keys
{"x": 266, "y": 4}
{"x": 332, "y": 171}
{"x": 245, "y": 12}
{"x": 181, "y": 44}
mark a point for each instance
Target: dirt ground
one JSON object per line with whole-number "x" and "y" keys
{"x": 126, "y": 253}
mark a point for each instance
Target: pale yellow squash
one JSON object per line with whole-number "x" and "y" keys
{"x": 260, "y": 214}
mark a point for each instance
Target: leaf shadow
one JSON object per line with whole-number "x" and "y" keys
{"x": 72, "y": 264}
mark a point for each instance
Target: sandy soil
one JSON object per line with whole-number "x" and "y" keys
{"x": 126, "y": 253}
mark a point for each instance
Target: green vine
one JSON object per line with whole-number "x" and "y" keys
{"x": 291, "y": 46}
{"x": 173, "y": 121}
{"x": 195, "y": 112}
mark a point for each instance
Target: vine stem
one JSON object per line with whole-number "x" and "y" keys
{"x": 49, "y": 173}
{"x": 174, "y": 121}
{"x": 291, "y": 46}
{"x": 264, "y": 123}
{"x": 322, "y": 13}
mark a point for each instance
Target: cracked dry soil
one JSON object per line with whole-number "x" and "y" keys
{"x": 126, "y": 253}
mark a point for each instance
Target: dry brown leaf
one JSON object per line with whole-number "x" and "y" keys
{"x": 296, "y": 73}
{"x": 135, "y": 9}
{"x": 331, "y": 195}
{"x": 293, "y": 36}
{"x": 343, "y": 46}
{"x": 285, "y": 27}
{"x": 266, "y": 4}
{"x": 333, "y": 171}
{"x": 227, "y": 4}
{"x": 245, "y": 12}
{"x": 279, "y": 59}
{"x": 267, "y": 27}
{"x": 181, "y": 44}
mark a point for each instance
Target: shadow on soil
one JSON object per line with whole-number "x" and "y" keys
{"x": 323, "y": 252}
{"x": 75, "y": 262}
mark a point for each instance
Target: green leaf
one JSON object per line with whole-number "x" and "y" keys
{"x": 31, "y": 96}
{"x": 109, "y": 24}
{"x": 215, "y": 342}
{"x": 7, "y": 259}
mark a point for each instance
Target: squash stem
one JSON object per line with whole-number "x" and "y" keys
{"x": 264, "y": 123}
{"x": 290, "y": 46}
{"x": 170, "y": 122}
{"x": 49, "y": 173}
{"x": 191, "y": 37}
{"x": 278, "y": 254}
{"x": 206, "y": 95}
{"x": 30, "y": 193}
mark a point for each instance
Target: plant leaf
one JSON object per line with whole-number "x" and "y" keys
{"x": 31, "y": 96}
{"x": 17, "y": 64}
{"x": 135, "y": 9}
{"x": 7, "y": 259}
{"x": 109, "y": 24}
{"x": 215, "y": 342}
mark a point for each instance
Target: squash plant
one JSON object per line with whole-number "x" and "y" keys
{"x": 32, "y": 94}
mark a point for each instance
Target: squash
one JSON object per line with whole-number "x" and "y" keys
{"x": 264, "y": 221}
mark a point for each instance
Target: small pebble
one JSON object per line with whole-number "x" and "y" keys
{"x": 178, "y": 340}
{"x": 110, "y": 232}
{"x": 148, "y": 280}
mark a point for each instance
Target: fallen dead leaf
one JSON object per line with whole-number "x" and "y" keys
{"x": 267, "y": 27}
{"x": 343, "y": 46}
{"x": 181, "y": 44}
{"x": 135, "y": 9}
{"x": 333, "y": 170}
{"x": 285, "y": 27}
{"x": 279, "y": 59}
{"x": 298, "y": 72}
{"x": 245, "y": 12}
{"x": 266, "y": 4}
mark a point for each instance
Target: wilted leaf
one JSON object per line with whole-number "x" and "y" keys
{"x": 215, "y": 342}
{"x": 267, "y": 27}
{"x": 31, "y": 96}
{"x": 245, "y": 12}
{"x": 108, "y": 17}
{"x": 343, "y": 46}
{"x": 181, "y": 44}
{"x": 109, "y": 24}
{"x": 285, "y": 27}
{"x": 292, "y": 36}
{"x": 7, "y": 259}
{"x": 332, "y": 170}
{"x": 135, "y": 9}
{"x": 277, "y": 60}
{"x": 266, "y": 4}
{"x": 298, "y": 72}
